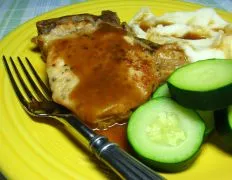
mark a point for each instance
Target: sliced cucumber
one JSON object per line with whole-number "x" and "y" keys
{"x": 203, "y": 85}
{"x": 223, "y": 122}
{"x": 208, "y": 118}
{"x": 165, "y": 135}
{"x": 162, "y": 91}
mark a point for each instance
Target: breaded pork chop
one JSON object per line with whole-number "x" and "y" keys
{"x": 97, "y": 67}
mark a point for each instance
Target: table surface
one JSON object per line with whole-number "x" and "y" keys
{"x": 16, "y": 12}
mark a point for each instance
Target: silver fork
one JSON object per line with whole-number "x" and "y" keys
{"x": 39, "y": 104}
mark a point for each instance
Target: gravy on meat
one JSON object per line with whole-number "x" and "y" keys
{"x": 114, "y": 72}
{"x": 102, "y": 72}
{"x": 102, "y": 69}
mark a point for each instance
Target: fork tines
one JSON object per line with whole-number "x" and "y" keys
{"x": 25, "y": 74}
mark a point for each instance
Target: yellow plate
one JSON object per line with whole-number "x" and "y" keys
{"x": 31, "y": 149}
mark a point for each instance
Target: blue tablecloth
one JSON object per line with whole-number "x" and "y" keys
{"x": 15, "y": 12}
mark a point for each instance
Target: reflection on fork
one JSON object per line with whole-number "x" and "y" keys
{"x": 36, "y": 100}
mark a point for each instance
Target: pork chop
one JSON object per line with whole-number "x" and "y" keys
{"x": 97, "y": 67}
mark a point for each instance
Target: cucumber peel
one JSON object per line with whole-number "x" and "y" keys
{"x": 203, "y": 85}
{"x": 162, "y": 91}
{"x": 223, "y": 123}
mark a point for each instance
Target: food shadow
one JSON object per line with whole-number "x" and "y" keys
{"x": 219, "y": 141}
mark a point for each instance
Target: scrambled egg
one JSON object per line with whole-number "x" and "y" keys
{"x": 202, "y": 34}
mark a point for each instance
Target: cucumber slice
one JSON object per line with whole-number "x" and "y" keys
{"x": 165, "y": 135}
{"x": 230, "y": 116}
{"x": 223, "y": 123}
{"x": 223, "y": 120}
{"x": 162, "y": 91}
{"x": 208, "y": 118}
{"x": 203, "y": 85}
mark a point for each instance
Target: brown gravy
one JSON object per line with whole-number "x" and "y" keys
{"x": 102, "y": 69}
{"x": 116, "y": 134}
{"x": 145, "y": 26}
{"x": 193, "y": 36}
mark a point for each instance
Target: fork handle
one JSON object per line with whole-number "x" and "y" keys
{"x": 123, "y": 164}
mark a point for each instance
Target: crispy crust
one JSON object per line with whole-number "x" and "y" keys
{"x": 45, "y": 26}
{"x": 81, "y": 24}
